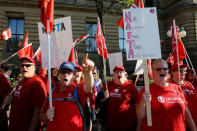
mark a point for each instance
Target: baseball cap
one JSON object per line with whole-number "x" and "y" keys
{"x": 78, "y": 67}
{"x": 68, "y": 65}
{"x": 175, "y": 67}
{"x": 118, "y": 68}
{"x": 27, "y": 58}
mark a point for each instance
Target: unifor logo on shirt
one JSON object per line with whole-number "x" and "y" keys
{"x": 170, "y": 99}
{"x": 161, "y": 99}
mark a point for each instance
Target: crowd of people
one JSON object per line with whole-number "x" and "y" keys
{"x": 82, "y": 102}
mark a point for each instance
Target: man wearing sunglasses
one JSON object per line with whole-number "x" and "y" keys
{"x": 187, "y": 88}
{"x": 66, "y": 114}
{"x": 169, "y": 110}
{"x": 27, "y": 98}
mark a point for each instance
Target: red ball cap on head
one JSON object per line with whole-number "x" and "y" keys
{"x": 118, "y": 68}
{"x": 27, "y": 58}
{"x": 175, "y": 67}
{"x": 78, "y": 67}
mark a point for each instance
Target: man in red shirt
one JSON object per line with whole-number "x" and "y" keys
{"x": 66, "y": 114}
{"x": 27, "y": 99}
{"x": 169, "y": 110}
{"x": 187, "y": 88}
{"x": 5, "y": 88}
{"x": 191, "y": 77}
{"x": 122, "y": 97}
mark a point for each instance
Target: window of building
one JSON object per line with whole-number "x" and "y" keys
{"x": 122, "y": 40}
{"x": 17, "y": 29}
{"x": 90, "y": 40}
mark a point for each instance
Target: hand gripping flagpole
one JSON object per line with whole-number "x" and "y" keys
{"x": 49, "y": 67}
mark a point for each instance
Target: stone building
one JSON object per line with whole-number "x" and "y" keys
{"x": 24, "y": 15}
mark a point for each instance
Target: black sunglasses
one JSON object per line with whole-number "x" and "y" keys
{"x": 26, "y": 65}
{"x": 159, "y": 69}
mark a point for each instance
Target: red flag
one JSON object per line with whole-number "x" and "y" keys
{"x": 19, "y": 43}
{"x": 136, "y": 3}
{"x": 80, "y": 38}
{"x": 25, "y": 43}
{"x": 26, "y": 51}
{"x": 170, "y": 59}
{"x": 76, "y": 58}
{"x": 102, "y": 50}
{"x": 6, "y": 34}
{"x": 47, "y": 13}
{"x": 73, "y": 56}
{"x": 42, "y": 71}
{"x": 181, "y": 50}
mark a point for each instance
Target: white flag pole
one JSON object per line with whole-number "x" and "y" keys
{"x": 49, "y": 66}
{"x": 36, "y": 52}
{"x": 8, "y": 58}
{"x": 80, "y": 41}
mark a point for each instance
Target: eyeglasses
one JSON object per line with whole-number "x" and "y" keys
{"x": 159, "y": 69}
{"x": 26, "y": 65}
{"x": 65, "y": 72}
{"x": 93, "y": 73}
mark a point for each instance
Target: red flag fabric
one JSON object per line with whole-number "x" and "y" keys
{"x": 6, "y": 34}
{"x": 42, "y": 71}
{"x": 102, "y": 50}
{"x": 170, "y": 59}
{"x": 25, "y": 43}
{"x": 179, "y": 45}
{"x": 47, "y": 13}
{"x": 136, "y": 3}
{"x": 76, "y": 58}
{"x": 73, "y": 57}
{"x": 19, "y": 43}
{"x": 80, "y": 38}
{"x": 26, "y": 51}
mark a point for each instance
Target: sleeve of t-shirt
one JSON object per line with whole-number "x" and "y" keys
{"x": 182, "y": 95}
{"x": 38, "y": 94}
{"x": 140, "y": 95}
{"x": 5, "y": 87}
{"x": 45, "y": 106}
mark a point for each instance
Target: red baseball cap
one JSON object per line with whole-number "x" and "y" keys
{"x": 78, "y": 67}
{"x": 175, "y": 67}
{"x": 118, "y": 68}
{"x": 27, "y": 58}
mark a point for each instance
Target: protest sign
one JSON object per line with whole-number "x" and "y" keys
{"x": 115, "y": 59}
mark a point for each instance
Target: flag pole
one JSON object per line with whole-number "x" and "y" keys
{"x": 8, "y": 58}
{"x": 175, "y": 32}
{"x": 36, "y": 52}
{"x": 104, "y": 65}
{"x": 49, "y": 66}
{"x": 81, "y": 40}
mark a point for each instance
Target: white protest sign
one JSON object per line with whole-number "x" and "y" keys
{"x": 139, "y": 67}
{"x": 142, "y": 34}
{"x": 61, "y": 42}
{"x": 115, "y": 59}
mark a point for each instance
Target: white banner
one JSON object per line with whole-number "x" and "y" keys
{"x": 139, "y": 67}
{"x": 115, "y": 59}
{"x": 61, "y": 42}
{"x": 142, "y": 34}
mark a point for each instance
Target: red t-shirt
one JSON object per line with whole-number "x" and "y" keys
{"x": 5, "y": 87}
{"x": 193, "y": 81}
{"x": 67, "y": 114}
{"x": 121, "y": 113}
{"x": 29, "y": 94}
{"x": 167, "y": 108}
{"x": 191, "y": 97}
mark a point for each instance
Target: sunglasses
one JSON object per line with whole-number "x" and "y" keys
{"x": 93, "y": 73}
{"x": 26, "y": 65}
{"x": 65, "y": 71}
{"x": 159, "y": 69}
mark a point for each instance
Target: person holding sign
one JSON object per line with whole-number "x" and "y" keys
{"x": 69, "y": 99}
{"x": 121, "y": 97}
{"x": 187, "y": 88}
{"x": 168, "y": 104}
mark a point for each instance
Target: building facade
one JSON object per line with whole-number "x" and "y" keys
{"x": 23, "y": 16}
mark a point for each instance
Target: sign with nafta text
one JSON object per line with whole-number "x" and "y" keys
{"x": 141, "y": 33}
{"x": 61, "y": 41}
{"x": 115, "y": 59}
